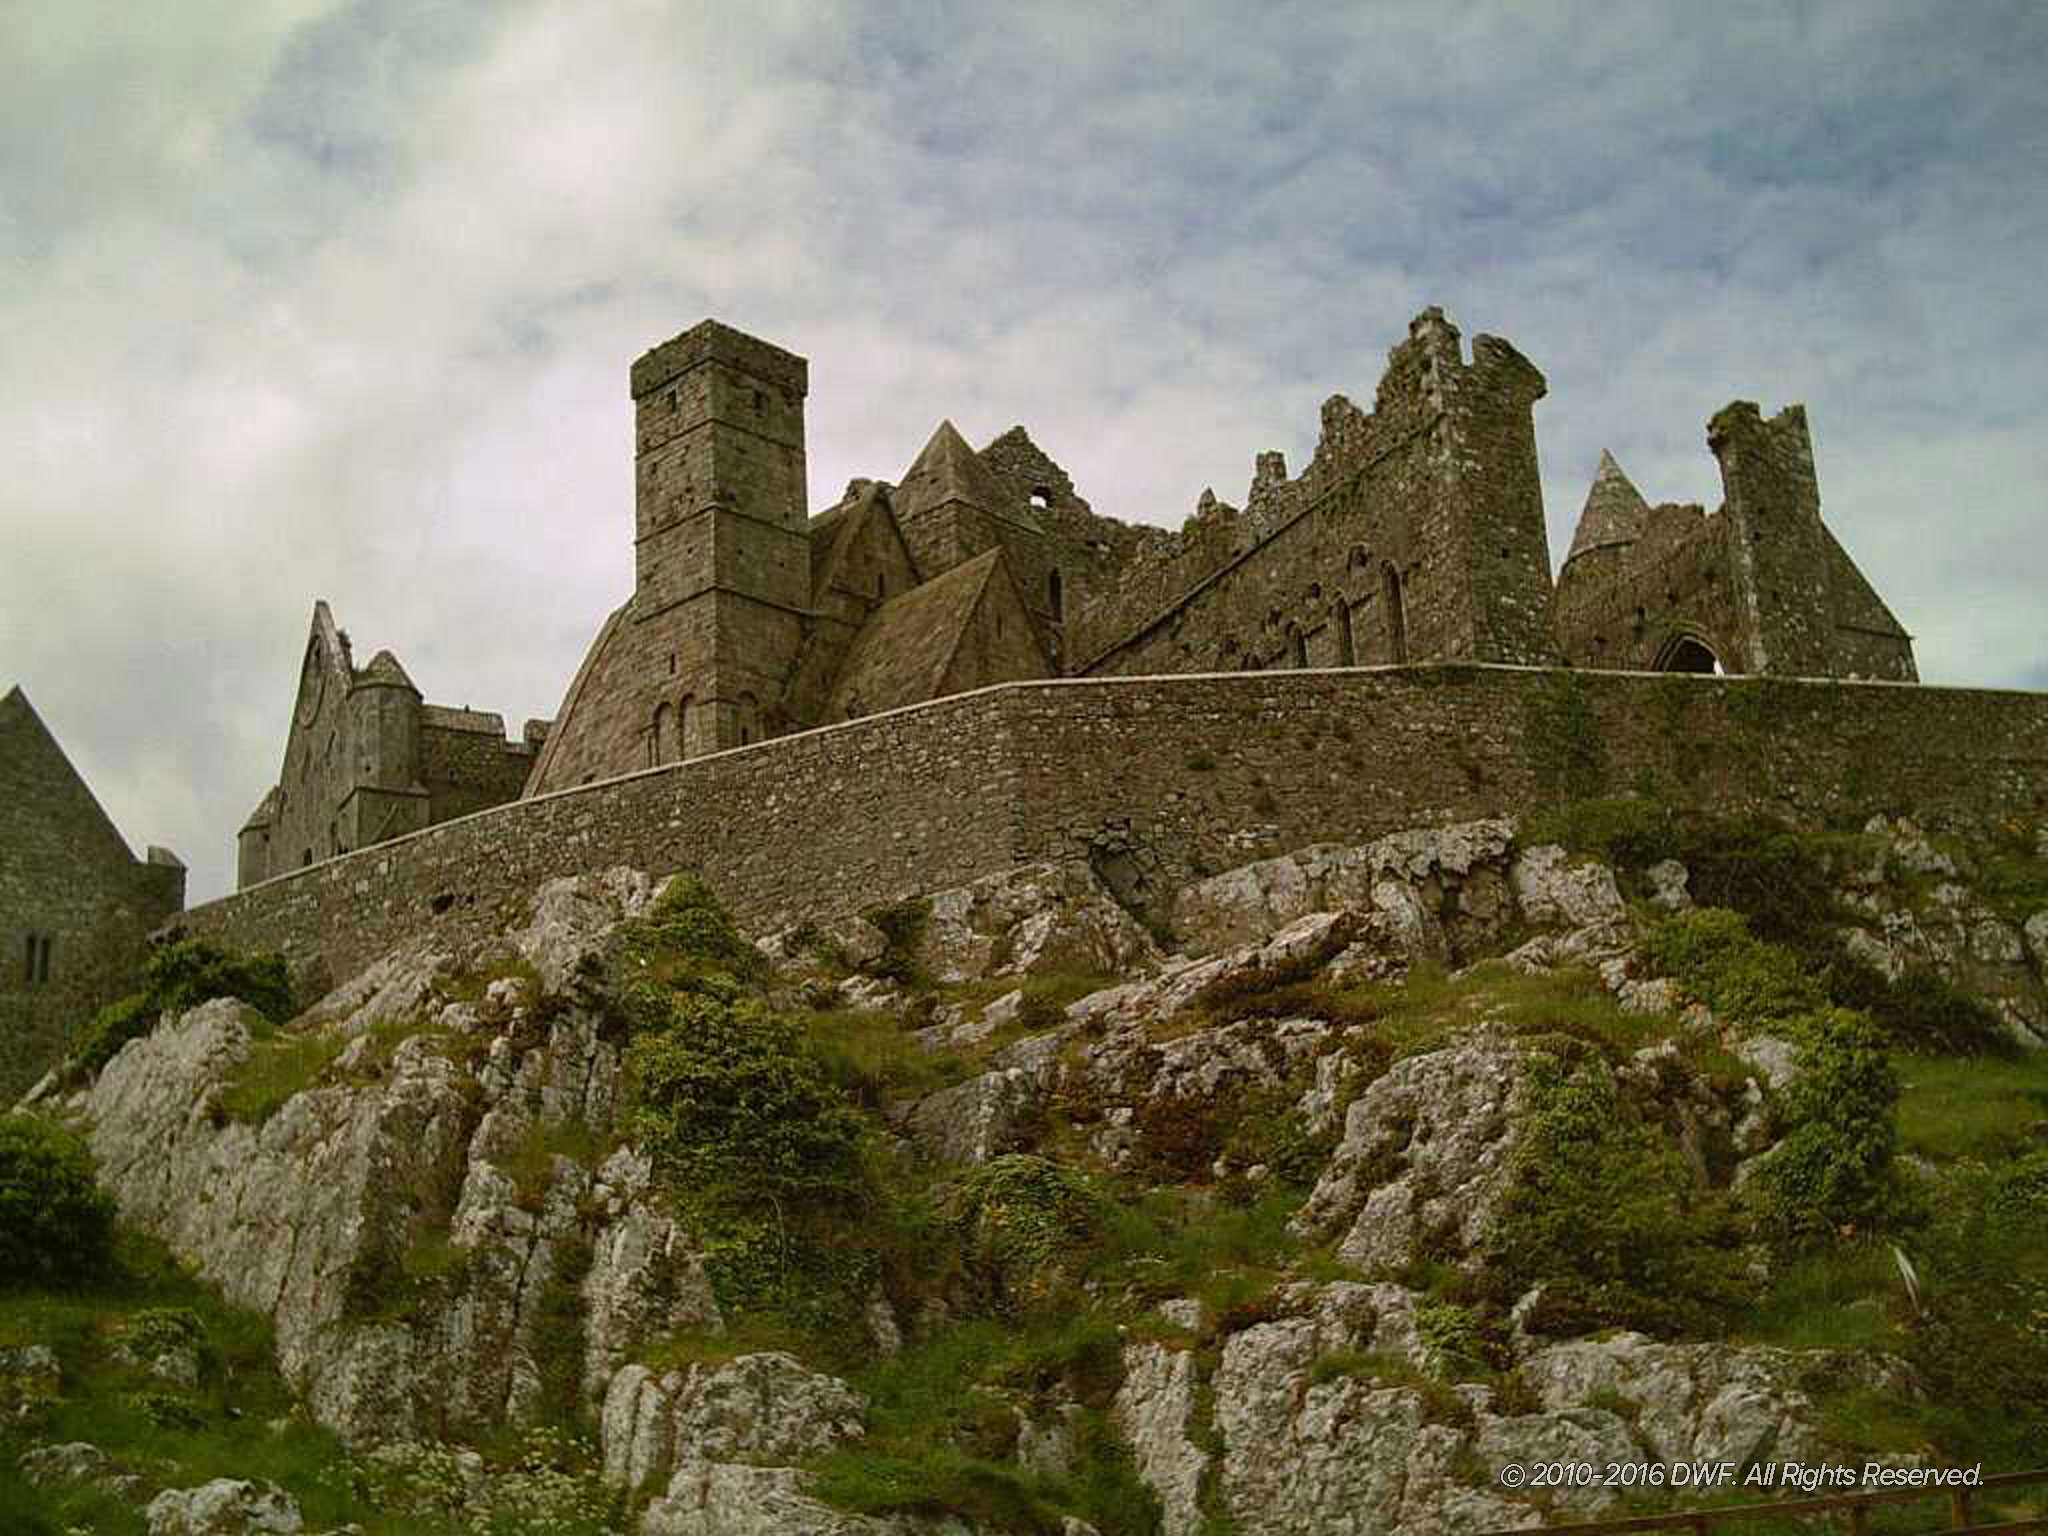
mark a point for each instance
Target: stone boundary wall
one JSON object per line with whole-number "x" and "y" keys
{"x": 1159, "y": 779}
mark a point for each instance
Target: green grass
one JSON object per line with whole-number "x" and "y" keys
{"x": 1841, "y": 1296}
{"x": 942, "y": 1429}
{"x": 279, "y": 1066}
{"x": 1984, "y": 1107}
{"x": 239, "y": 1395}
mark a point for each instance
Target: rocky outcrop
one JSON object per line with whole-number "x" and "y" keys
{"x": 1439, "y": 889}
{"x": 661, "y": 1429}
{"x": 1425, "y": 1157}
{"x": 1042, "y": 918}
{"x": 224, "y": 1507}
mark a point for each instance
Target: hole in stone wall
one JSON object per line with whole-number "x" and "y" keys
{"x": 441, "y": 902}
{"x": 1041, "y": 498}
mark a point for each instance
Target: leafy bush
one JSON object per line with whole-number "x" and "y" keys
{"x": 687, "y": 942}
{"x": 1834, "y": 1168}
{"x": 1752, "y": 985}
{"x": 731, "y": 1099}
{"x": 1627, "y": 831}
{"x": 902, "y": 926}
{"x": 180, "y": 975}
{"x": 1604, "y": 1215}
{"x": 187, "y": 972}
{"x": 56, "y": 1227}
{"x": 1021, "y": 1216}
{"x": 1981, "y": 1343}
{"x": 129, "y": 1018}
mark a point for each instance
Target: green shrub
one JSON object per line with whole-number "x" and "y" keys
{"x": 56, "y": 1227}
{"x": 1980, "y": 1345}
{"x": 1833, "y": 1170}
{"x": 1754, "y": 986}
{"x": 732, "y": 1097}
{"x": 1022, "y": 1218}
{"x": 1919, "y": 1009}
{"x": 112, "y": 1027}
{"x": 902, "y": 926}
{"x": 1627, "y": 831}
{"x": 1603, "y": 1213}
{"x": 687, "y": 942}
{"x": 188, "y": 972}
{"x": 180, "y": 975}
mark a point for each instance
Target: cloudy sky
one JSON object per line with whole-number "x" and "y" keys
{"x": 303, "y": 299}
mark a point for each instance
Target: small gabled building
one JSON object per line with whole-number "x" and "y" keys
{"x": 76, "y": 906}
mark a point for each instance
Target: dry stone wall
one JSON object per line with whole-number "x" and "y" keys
{"x": 1156, "y": 780}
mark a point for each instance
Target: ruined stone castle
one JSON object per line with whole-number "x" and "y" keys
{"x": 1414, "y": 534}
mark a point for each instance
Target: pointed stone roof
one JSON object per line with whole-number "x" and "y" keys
{"x": 384, "y": 669}
{"x": 1615, "y": 511}
{"x": 49, "y": 791}
{"x": 950, "y": 471}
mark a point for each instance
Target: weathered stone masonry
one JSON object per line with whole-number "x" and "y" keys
{"x": 1157, "y": 779}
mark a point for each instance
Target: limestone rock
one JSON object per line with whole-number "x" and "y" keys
{"x": 1154, "y": 1411}
{"x": 1706, "y": 1402}
{"x": 1425, "y": 1157}
{"x": 1427, "y": 888}
{"x": 763, "y": 1407}
{"x": 981, "y": 1118}
{"x": 224, "y": 1507}
{"x": 573, "y": 917}
{"x": 1038, "y": 919}
{"x": 1182, "y": 980}
{"x": 30, "y": 1377}
{"x": 2036, "y": 933}
{"x": 1555, "y": 892}
{"x": 1668, "y": 880}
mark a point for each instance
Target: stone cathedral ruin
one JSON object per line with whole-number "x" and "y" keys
{"x": 1414, "y": 534}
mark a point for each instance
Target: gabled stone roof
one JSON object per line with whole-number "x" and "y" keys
{"x": 903, "y": 652}
{"x": 950, "y": 471}
{"x": 57, "y": 792}
{"x": 1615, "y": 511}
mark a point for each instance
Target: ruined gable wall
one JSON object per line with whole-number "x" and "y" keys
{"x": 320, "y": 754}
{"x": 66, "y": 875}
{"x": 1178, "y": 774}
{"x": 1090, "y": 551}
{"x": 1623, "y": 608}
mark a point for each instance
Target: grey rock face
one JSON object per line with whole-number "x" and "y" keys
{"x": 1154, "y": 1412}
{"x": 224, "y": 1507}
{"x": 764, "y": 1407}
{"x": 1038, "y": 919}
{"x": 428, "y": 1142}
{"x": 1416, "y": 891}
{"x": 1425, "y": 1157}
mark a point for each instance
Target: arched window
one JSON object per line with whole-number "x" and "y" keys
{"x": 1054, "y": 598}
{"x": 1397, "y": 614}
{"x": 1687, "y": 653}
{"x": 1297, "y": 646}
{"x": 1041, "y": 498}
{"x": 1347, "y": 643}
{"x": 749, "y": 711}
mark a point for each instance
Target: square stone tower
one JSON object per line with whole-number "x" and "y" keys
{"x": 721, "y": 544}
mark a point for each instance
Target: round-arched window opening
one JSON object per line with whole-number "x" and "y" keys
{"x": 1041, "y": 498}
